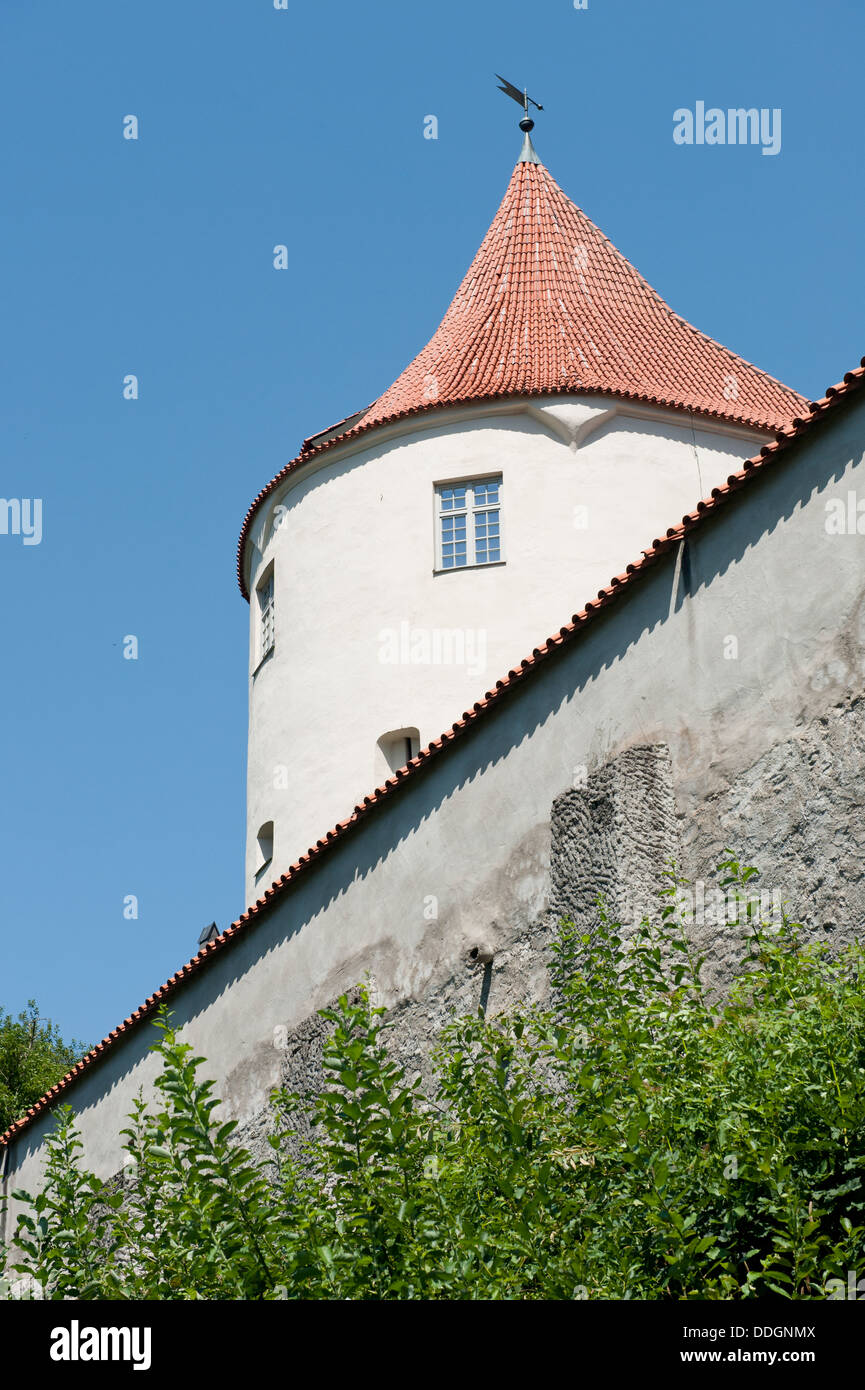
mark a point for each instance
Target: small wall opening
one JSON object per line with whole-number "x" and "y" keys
{"x": 265, "y": 846}
{"x": 394, "y": 750}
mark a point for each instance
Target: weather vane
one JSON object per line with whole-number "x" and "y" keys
{"x": 523, "y": 98}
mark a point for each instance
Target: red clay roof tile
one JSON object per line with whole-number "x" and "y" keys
{"x": 549, "y": 306}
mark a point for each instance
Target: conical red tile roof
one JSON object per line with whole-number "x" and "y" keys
{"x": 550, "y": 305}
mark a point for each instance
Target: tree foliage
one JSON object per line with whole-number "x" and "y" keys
{"x": 634, "y": 1139}
{"x": 33, "y": 1058}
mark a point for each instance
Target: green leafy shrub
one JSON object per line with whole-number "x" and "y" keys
{"x": 635, "y": 1139}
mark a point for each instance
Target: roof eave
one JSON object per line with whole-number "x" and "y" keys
{"x": 307, "y": 453}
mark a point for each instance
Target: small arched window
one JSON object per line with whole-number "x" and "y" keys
{"x": 265, "y": 846}
{"x": 395, "y": 749}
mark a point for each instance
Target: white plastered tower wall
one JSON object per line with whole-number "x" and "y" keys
{"x": 370, "y": 638}
{"x": 374, "y": 648}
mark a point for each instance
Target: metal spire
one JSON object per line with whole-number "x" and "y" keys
{"x": 527, "y": 155}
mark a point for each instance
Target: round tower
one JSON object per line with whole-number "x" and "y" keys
{"x": 559, "y": 419}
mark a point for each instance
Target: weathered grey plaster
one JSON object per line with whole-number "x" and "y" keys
{"x": 796, "y": 813}
{"x": 614, "y": 836}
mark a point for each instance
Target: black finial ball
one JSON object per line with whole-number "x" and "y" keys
{"x": 527, "y": 124}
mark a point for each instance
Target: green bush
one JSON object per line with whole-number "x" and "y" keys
{"x": 635, "y": 1139}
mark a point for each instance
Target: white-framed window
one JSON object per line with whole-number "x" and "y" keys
{"x": 468, "y": 523}
{"x": 266, "y": 626}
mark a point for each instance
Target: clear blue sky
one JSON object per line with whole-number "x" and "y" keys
{"x": 154, "y": 257}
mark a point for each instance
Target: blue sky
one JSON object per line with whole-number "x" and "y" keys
{"x": 155, "y": 257}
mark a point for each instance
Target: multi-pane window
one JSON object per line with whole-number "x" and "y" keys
{"x": 265, "y": 616}
{"x": 469, "y": 523}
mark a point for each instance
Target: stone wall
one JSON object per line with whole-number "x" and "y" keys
{"x": 614, "y": 837}
{"x": 798, "y": 814}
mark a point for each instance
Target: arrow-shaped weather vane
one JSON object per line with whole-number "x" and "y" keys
{"x": 523, "y": 98}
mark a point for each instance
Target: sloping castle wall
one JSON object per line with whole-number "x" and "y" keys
{"x": 741, "y": 652}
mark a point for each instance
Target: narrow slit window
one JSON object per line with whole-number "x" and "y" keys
{"x": 266, "y": 623}
{"x": 468, "y": 520}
